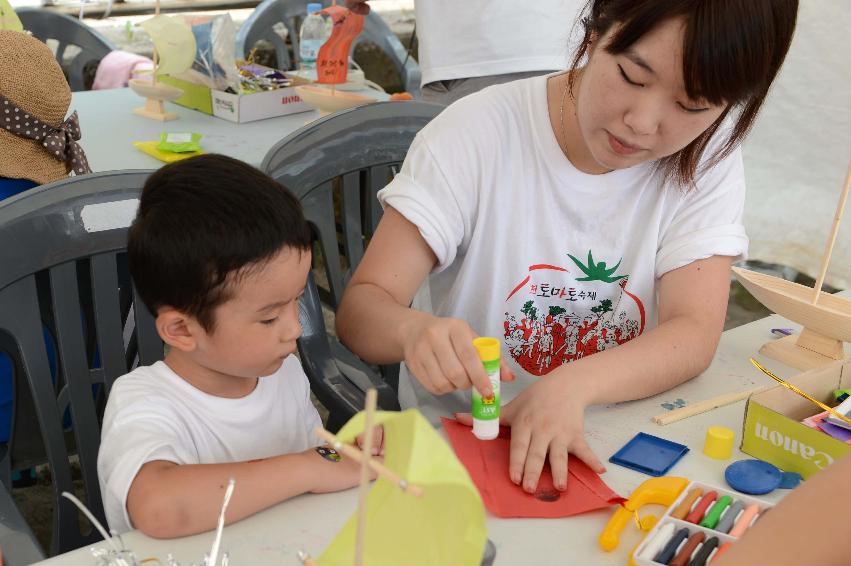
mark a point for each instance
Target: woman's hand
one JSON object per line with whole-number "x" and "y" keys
{"x": 439, "y": 352}
{"x": 546, "y": 420}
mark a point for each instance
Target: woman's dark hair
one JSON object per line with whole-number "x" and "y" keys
{"x": 201, "y": 223}
{"x": 732, "y": 51}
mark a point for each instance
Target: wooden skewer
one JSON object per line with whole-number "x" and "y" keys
{"x": 828, "y": 250}
{"x": 706, "y": 405}
{"x": 306, "y": 559}
{"x": 377, "y": 467}
{"x": 363, "y": 490}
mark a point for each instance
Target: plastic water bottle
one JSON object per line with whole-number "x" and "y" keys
{"x": 315, "y": 30}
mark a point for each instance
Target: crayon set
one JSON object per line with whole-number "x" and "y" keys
{"x": 699, "y": 526}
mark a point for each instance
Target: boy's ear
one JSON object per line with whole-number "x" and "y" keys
{"x": 177, "y": 329}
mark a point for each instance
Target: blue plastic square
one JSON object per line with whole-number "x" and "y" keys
{"x": 649, "y": 454}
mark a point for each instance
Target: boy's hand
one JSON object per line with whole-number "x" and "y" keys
{"x": 328, "y": 475}
{"x": 358, "y": 6}
{"x": 377, "y": 441}
{"x": 546, "y": 418}
{"x": 439, "y": 352}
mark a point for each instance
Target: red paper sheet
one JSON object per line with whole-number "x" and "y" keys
{"x": 487, "y": 463}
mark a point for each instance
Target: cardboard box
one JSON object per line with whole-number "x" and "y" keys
{"x": 773, "y": 431}
{"x": 238, "y": 107}
{"x": 258, "y": 105}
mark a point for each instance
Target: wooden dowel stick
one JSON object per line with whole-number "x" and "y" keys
{"x": 706, "y": 405}
{"x": 376, "y": 466}
{"x": 306, "y": 559}
{"x": 363, "y": 490}
{"x": 828, "y": 250}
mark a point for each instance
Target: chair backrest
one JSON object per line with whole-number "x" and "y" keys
{"x": 261, "y": 25}
{"x": 63, "y": 274}
{"x": 335, "y": 166}
{"x": 70, "y": 35}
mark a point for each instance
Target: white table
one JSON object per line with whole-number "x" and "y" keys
{"x": 310, "y": 521}
{"x": 109, "y": 127}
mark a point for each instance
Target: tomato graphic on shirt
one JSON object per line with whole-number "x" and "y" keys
{"x": 558, "y": 314}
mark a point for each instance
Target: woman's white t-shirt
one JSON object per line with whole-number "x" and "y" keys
{"x": 557, "y": 263}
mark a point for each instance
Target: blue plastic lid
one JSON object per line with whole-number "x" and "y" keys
{"x": 649, "y": 454}
{"x": 313, "y": 7}
{"x": 754, "y": 477}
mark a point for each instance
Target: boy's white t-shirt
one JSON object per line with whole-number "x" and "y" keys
{"x": 504, "y": 210}
{"x": 476, "y": 38}
{"x": 153, "y": 414}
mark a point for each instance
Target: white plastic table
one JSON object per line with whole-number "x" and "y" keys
{"x": 109, "y": 127}
{"x": 309, "y": 522}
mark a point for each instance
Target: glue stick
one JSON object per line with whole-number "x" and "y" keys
{"x": 486, "y": 409}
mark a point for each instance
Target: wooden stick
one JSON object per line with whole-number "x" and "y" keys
{"x": 306, "y": 559}
{"x": 377, "y": 467}
{"x": 828, "y": 250}
{"x": 363, "y": 490}
{"x": 704, "y": 406}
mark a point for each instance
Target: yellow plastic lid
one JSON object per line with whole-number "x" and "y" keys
{"x": 719, "y": 442}
{"x": 488, "y": 348}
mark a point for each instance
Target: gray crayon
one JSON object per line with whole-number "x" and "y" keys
{"x": 729, "y": 517}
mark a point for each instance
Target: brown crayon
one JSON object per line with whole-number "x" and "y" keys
{"x": 685, "y": 505}
{"x": 684, "y": 555}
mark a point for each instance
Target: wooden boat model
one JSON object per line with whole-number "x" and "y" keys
{"x": 826, "y": 318}
{"x": 827, "y": 323}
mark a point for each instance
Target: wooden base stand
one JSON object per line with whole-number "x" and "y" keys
{"x": 808, "y": 351}
{"x": 155, "y": 110}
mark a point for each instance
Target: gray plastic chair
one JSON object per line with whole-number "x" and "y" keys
{"x": 67, "y": 31}
{"x": 290, "y": 13}
{"x": 63, "y": 255}
{"x": 347, "y": 158}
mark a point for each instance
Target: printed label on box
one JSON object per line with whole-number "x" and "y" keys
{"x": 787, "y": 444}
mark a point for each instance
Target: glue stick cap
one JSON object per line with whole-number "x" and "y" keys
{"x": 719, "y": 442}
{"x": 488, "y": 348}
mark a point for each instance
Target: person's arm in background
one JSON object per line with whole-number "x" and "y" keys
{"x": 358, "y": 6}
{"x": 809, "y": 526}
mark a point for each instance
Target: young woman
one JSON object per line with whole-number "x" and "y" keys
{"x": 570, "y": 214}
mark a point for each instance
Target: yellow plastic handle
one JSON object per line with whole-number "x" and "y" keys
{"x": 657, "y": 491}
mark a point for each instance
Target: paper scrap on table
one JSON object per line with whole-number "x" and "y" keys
{"x": 487, "y": 463}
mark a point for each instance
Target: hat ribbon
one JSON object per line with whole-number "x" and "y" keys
{"x": 60, "y": 143}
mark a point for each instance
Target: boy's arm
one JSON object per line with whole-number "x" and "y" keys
{"x": 547, "y": 417}
{"x": 168, "y": 500}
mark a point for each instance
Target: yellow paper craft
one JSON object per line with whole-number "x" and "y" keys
{"x": 8, "y": 18}
{"x": 150, "y": 147}
{"x": 174, "y": 44}
{"x": 446, "y": 525}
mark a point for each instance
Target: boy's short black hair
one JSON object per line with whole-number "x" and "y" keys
{"x": 202, "y": 220}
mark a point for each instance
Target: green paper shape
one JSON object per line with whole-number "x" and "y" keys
{"x": 191, "y": 145}
{"x": 444, "y": 526}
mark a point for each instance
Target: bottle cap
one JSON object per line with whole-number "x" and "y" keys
{"x": 719, "y": 442}
{"x": 488, "y": 348}
{"x": 313, "y": 7}
{"x": 486, "y": 430}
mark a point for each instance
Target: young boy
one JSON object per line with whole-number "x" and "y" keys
{"x": 220, "y": 254}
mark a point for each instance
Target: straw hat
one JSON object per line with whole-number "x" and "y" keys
{"x": 31, "y": 77}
